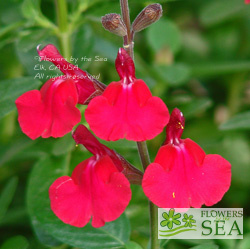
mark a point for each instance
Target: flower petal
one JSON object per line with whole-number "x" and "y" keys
{"x": 165, "y": 216}
{"x": 192, "y": 184}
{"x": 86, "y": 85}
{"x": 50, "y": 111}
{"x": 171, "y": 213}
{"x": 96, "y": 189}
{"x": 69, "y": 203}
{"x": 159, "y": 186}
{"x": 175, "y": 127}
{"x": 213, "y": 178}
{"x": 196, "y": 152}
{"x": 176, "y": 222}
{"x": 124, "y": 64}
{"x": 176, "y": 216}
{"x": 164, "y": 223}
{"x": 170, "y": 224}
{"x": 83, "y": 136}
{"x": 166, "y": 156}
{"x": 111, "y": 196}
{"x": 131, "y": 111}
{"x": 50, "y": 53}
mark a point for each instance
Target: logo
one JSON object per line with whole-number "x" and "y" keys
{"x": 200, "y": 223}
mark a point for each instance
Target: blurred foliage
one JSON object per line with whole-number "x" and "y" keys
{"x": 197, "y": 58}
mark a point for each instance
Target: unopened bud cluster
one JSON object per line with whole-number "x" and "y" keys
{"x": 149, "y": 15}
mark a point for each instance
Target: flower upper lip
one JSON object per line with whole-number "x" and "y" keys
{"x": 125, "y": 66}
{"x": 175, "y": 127}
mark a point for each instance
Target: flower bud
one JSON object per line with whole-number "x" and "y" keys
{"x": 114, "y": 24}
{"x": 148, "y": 15}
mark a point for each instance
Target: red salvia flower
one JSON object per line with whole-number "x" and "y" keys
{"x": 96, "y": 188}
{"x": 50, "y": 112}
{"x": 126, "y": 109}
{"x": 182, "y": 175}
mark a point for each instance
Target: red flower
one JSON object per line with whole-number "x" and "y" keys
{"x": 126, "y": 109}
{"x": 50, "y": 112}
{"x": 182, "y": 175}
{"x": 86, "y": 85}
{"x": 96, "y": 189}
{"x": 247, "y": 1}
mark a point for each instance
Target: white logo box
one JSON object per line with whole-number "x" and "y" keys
{"x": 200, "y": 223}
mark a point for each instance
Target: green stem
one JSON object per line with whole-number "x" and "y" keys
{"x": 235, "y": 93}
{"x": 153, "y": 211}
{"x": 144, "y": 155}
{"x": 142, "y": 146}
{"x": 63, "y": 28}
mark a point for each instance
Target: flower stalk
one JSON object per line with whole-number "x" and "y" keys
{"x": 142, "y": 146}
{"x": 128, "y": 39}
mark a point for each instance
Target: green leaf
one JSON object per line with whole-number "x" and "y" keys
{"x": 219, "y": 68}
{"x": 239, "y": 121}
{"x": 195, "y": 106}
{"x": 120, "y": 145}
{"x": 63, "y": 145}
{"x": 113, "y": 234}
{"x": 235, "y": 148}
{"x": 28, "y": 56}
{"x": 13, "y": 88}
{"x": 17, "y": 242}
{"x": 105, "y": 48}
{"x": 132, "y": 245}
{"x": 10, "y": 11}
{"x": 44, "y": 237}
{"x": 31, "y": 10}
{"x": 176, "y": 74}
{"x": 7, "y": 196}
{"x": 158, "y": 1}
{"x": 10, "y": 28}
{"x": 216, "y": 11}
{"x": 84, "y": 33}
{"x": 103, "y": 8}
{"x": 244, "y": 243}
{"x": 206, "y": 246}
{"x": 15, "y": 216}
{"x": 10, "y": 150}
{"x": 164, "y": 34}
{"x": 164, "y": 242}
